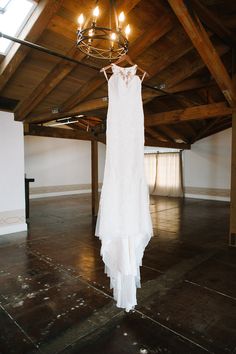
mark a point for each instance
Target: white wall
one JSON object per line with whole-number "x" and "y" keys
{"x": 12, "y": 198}
{"x": 63, "y": 166}
{"x": 60, "y": 166}
{"x": 207, "y": 167}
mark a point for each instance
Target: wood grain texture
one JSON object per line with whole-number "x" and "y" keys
{"x": 214, "y": 23}
{"x": 167, "y": 144}
{"x": 158, "y": 43}
{"x": 59, "y": 72}
{"x": 102, "y": 102}
{"x": 52, "y": 132}
{"x": 206, "y": 50}
{"x": 191, "y": 113}
{"x": 149, "y": 37}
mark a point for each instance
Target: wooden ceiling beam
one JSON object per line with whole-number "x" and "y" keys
{"x": 36, "y": 130}
{"x": 191, "y": 84}
{"x": 35, "y": 26}
{"x": 188, "y": 114}
{"x": 187, "y": 129}
{"x": 173, "y": 133}
{"x": 156, "y": 134}
{"x": 52, "y": 132}
{"x": 213, "y": 23}
{"x": 60, "y": 71}
{"x": 175, "y": 84}
{"x": 102, "y": 102}
{"x": 78, "y": 126}
{"x": 166, "y": 144}
{"x": 162, "y": 26}
{"x": 208, "y": 127}
{"x": 180, "y": 79}
{"x": 205, "y": 48}
{"x": 217, "y": 129}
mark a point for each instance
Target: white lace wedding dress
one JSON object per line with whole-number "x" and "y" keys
{"x": 124, "y": 223}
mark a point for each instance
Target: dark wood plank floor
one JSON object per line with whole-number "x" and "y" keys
{"x": 55, "y": 298}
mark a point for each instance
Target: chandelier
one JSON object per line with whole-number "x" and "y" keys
{"x": 108, "y": 43}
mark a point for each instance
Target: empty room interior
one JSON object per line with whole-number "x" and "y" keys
{"x": 117, "y": 176}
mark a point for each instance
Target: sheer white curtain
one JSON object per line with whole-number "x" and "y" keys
{"x": 150, "y": 162}
{"x": 166, "y": 170}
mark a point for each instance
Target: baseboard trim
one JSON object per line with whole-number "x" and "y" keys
{"x": 60, "y": 190}
{"x": 11, "y": 229}
{"x": 208, "y": 193}
{"x": 58, "y": 194}
{"x": 207, "y": 197}
{"x": 12, "y": 221}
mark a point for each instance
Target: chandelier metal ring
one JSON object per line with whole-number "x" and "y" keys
{"x": 90, "y": 44}
{"x": 101, "y": 42}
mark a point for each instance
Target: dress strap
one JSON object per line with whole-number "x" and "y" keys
{"x": 144, "y": 74}
{"x": 105, "y": 73}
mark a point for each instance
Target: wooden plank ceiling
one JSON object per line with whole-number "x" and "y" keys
{"x": 185, "y": 46}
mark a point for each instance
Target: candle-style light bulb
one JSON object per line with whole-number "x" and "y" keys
{"x": 121, "y": 17}
{"x": 81, "y": 21}
{"x": 127, "y": 31}
{"x": 113, "y": 38}
{"x": 96, "y": 12}
{"x": 91, "y": 32}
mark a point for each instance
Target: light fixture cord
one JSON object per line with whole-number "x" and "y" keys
{"x": 115, "y": 14}
{"x": 110, "y": 15}
{"x": 112, "y": 12}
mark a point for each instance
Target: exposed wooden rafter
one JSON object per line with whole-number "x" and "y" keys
{"x": 102, "y": 102}
{"x": 162, "y": 26}
{"x": 180, "y": 78}
{"x": 206, "y": 129}
{"x": 156, "y": 134}
{"x": 206, "y": 50}
{"x": 213, "y": 22}
{"x": 188, "y": 114}
{"x": 158, "y": 43}
{"x": 62, "y": 133}
{"x": 60, "y": 71}
{"x": 52, "y": 132}
{"x": 97, "y": 81}
{"x": 174, "y": 134}
{"x": 217, "y": 128}
{"x": 167, "y": 144}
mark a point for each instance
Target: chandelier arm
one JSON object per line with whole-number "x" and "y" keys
{"x": 90, "y": 39}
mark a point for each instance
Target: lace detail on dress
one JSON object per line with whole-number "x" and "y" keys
{"x": 126, "y": 73}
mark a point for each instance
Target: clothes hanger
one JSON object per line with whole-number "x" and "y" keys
{"x": 127, "y": 58}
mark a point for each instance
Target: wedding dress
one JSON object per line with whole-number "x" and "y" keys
{"x": 124, "y": 223}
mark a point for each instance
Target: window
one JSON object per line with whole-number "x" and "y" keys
{"x": 13, "y": 16}
{"x": 164, "y": 173}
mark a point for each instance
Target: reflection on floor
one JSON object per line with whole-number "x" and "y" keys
{"x": 55, "y": 298}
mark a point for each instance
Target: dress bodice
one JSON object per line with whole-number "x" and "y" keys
{"x": 126, "y": 73}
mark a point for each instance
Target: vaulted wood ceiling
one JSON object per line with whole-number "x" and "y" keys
{"x": 186, "y": 47}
